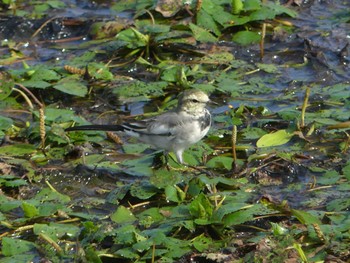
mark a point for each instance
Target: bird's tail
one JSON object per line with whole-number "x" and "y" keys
{"x": 95, "y": 127}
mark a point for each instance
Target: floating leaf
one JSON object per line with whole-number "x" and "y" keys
{"x": 15, "y": 246}
{"x": 305, "y": 217}
{"x": 71, "y": 85}
{"x": 6, "y": 85}
{"x": 274, "y": 139}
{"x": 17, "y": 149}
{"x": 201, "y": 34}
{"x": 56, "y": 231}
{"x": 5, "y": 123}
{"x": 123, "y": 215}
{"x": 29, "y": 210}
{"x": 246, "y": 37}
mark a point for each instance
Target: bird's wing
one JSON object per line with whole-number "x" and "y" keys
{"x": 166, "y": 124}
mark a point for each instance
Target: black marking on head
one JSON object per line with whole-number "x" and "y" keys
{"x": 205, "y": 121}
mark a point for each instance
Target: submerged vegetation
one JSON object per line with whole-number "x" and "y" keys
{"x": 271, "y": 181}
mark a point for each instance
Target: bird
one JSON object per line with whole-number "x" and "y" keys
{"x": 173, "y": 131}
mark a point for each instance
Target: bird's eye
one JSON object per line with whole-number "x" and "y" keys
{"x": 194, "y": 101}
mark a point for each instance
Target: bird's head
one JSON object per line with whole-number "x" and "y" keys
{"x": 193, "y": 101}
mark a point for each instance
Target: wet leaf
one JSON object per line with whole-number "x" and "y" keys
{"x": 5, "y": 123}
{"x": 274, "y": 139}
{"x": 15, "y": 246}
{"x": 220, "y": 162}
{"x": 56, "y": 231}
{"x": 201, "y": 207}
{"x": 143, "y": 190}
{"x": 6, "y": 85}
{"x": 71, "y": 85}
{"x": 246, "y": 37}
{"x": 201, "y": 34}
{"x": 123, "y": 215}
{"x": 29, "y": 210}
{"x": 305, "y": 217}
{"x": 17, "y": 149}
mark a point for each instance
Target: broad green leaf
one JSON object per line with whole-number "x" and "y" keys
{"x": 220, "y": 162}
{"x": 71, "y": 85}
{"x": 127, "y": 253}
{"x": 15, "y": 246}
{"x": 36, "y": 84}
{"x": 29, "y": 210}
{"x": 201, "y": 243}
{"x": 201, "y": 207}
{"x": 201, "y": 34}
{"x": 143, "y": 190}
{"x": 339, "y": 204}
{"x": 57, "y": 231}
{"x": 269, "y": 68}
{"x": 47, "y": 194}
{"x": 6, "y": 85}
{"x": 206, "y": 21}
{"x": 123, "y": 215}
{"x": 246, "y": 37}
{"x": 239, "y": 217}
{"x": 250, "y": 5}
{"x": 162, "y": 178}
{"x": 5, "y": 123}
{"x": 328, "y": 178}
{"x": 305, "y": 217}
{"x": 45, "y": 74}
{"x": 17, "y": 149}
{"x": 237, "y": 6}
{"x": 274, "y": 139}
{"x": 171, "y": 194}
{"x": 133, "y": 38}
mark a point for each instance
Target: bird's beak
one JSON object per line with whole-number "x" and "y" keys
{"x": 211, "y": 102}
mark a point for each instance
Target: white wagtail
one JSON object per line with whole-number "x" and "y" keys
{"x": 175, "y": 130}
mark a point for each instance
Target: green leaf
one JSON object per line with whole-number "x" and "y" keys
{"x": 133, "y": 38}
{"x": 201, "y": 34}
{"x": 36, "y": 84}
{"x": 15, "y": 246}
{"x": 220, "y": 162}
{"x": 162, "y": 178}
{"x": 5, "y": 123}
{"x": 71, "y": 85}
{"x": 17, "y": 149}
{"x": 239, "y": 217}
{"x": 171, "y": 193}
{"x": 250, "y": 5}
{"x": 201, "y": 207}
{"x": 6, "y": 85}
{"x": 305, "y": 217}
{"x": 48, "y": 194}
{"x": 201, "y": 243}
{"x": 246, "y": 37}
{"x": 123, "y": 215}
{"x": 56, "y": 231}
{"x": 143, "y": 190}
{"x": 274, "y": 139}
{"x": 269, "y": 68}
{"x": 45, "y": 74}
{"x": 134, "y": 148}
{"x": 237, "y": 6}
{"x": 329, "y": 178}
{"x": 29, "y": 210}
{"x": 206, "y": 21}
